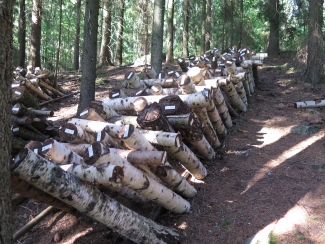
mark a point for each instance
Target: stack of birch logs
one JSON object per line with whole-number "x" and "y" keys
{"x": 145, "y": 142}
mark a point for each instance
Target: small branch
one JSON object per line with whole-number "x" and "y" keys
{"x": 59, "y": 98}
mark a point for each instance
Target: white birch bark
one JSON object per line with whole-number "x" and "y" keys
{"x": 231, "y": 92}
{"x": 103, "y": 110}
{"x": 310, "y": 104}
{"x": 241, "y": 92}
{"x": 216, "y": 120}
{"x": 196, "y": 76}
{"x": 91, "y": 114}
{"x": 133, "y": 80}
{"x": 221, "y": 106}
{"x": 107, "y": 140}
{"x": 75, "y": 134}
{"x": 150, "y": 72}
{"x": 79, "y": 149}
{"x": 46, "y": 176}
{"x": 121, "y": 104}
{"x": 165, "y": 83}
{"x": 186, "y": 85}
{"x": 58, "y": 153}
{"x": 144, "y": 184}
{"x": 173, "y": 145}
{"x": 207, "y": 127}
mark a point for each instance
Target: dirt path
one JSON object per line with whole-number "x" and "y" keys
{"x": 268, "y": 179}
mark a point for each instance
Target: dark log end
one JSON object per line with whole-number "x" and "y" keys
{"x": 68, "y": 132}
{"x": 126, "y": 131}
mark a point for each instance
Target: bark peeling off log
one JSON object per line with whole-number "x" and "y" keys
{"x": 89, "y": 200}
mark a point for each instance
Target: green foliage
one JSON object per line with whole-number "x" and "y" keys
{"x": 273, "y": 238}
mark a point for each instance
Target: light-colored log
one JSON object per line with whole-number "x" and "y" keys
{"x": 207, "y": 127}
{"x": 58, "y": 153}
{"x": 121, "y": 104}
{"x": 116, "y": 93}
{"x": 186, "y": 85}
{"x": 143, "y": 184}
{"x": 221, "y": 106}
{"x": 133, "y": 80}
{"x": 231, "y": 67}
{"x": 75, "y": 134}
{"x": 196, "y": 76}
{"x": 241, "y": 92}
{"x": 39, "y": 172}
{"x": 150, "y": 72}
{"x": 216, "y": 120}
{"x": 153, "y": 158}
{"x": 102, "y": 109}
{"x": 231, "y": 92}
{"x": 165, "y": 83}
{"x": 91, "y": 114}
{"x": 310, "y": 104}
{"x": 50, "y": 88}
{"x": 172, "y": 143}
{"x": 107, "y": 140}
{"x": 79, "y": 149}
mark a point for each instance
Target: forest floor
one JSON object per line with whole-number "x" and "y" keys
{"x": 268, "y": 182}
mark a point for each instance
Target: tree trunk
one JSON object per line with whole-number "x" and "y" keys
{"x": 35, "y": 50}
{"x": 77, "y": 37}
{"x": 87, "y": 87}
{"x": 6, "y": 34}
{"x": 185, "y": 53}
{"x": 273, "y": 10}
{"x": 119, "y": 47}
{"x": 59, "y": 45}
{"x": 22, "y": 33}
{"x": 170, "y": 32}
{"x": 157, "y": 35}
{"x": 105, "y": 52}
{"x": 208, "y": 25}
{"x": 143, "y": 184}
{"x": 45, "y": 175}
{"x": 314, "y": 72}
{"x": 203, "y": 31}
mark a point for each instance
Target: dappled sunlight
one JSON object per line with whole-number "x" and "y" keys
{"x": 69, "y": 111}
{"x": 271, "y": 135}
{"x": 183, "y": 226}
{"x": 289, "y": 223}
{"x": 273, "y": 163}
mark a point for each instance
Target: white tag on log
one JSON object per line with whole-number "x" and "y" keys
{"x": 84, "y": 112}
{"x": 99, "y": 135}
{"x": 15, "y": 109}
{"x": 126, "y": 131}
{"x": 217, "y": 70}
{"x": 138, "y": 93}
{"x": 178, "y": 143}
{"x": 68, "y": 131}
{"x": 15, "y": 129}
{"x": 170, "y": 72}
{"x": 169, "y": 80}
{"x": 169, "y": 107}
{"x": 180, "y": 60}
{"x": 155, "y": 89}
{"x": 183, "y": 80}
{"x": 46, "y": 147}
{"x": 90, "y": 151}
{"x": 214, "y": 59}
{"x": 229, "y": 62}
{"x": 36, "y": 150}
{"x": 148, "y": 67}
{"x": 191, "y": 122}
{"x": 159, "y": 76}
{"x": 115, "y": 94}
{"x": 177, "y": 74}
{"x": 129, "y": 76}
{"x": 17, "y": 92}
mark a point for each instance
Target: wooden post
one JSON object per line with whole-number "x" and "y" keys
{"x": 90, "y": 201}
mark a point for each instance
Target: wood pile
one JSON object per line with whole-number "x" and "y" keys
{"x": 145, "y": 142}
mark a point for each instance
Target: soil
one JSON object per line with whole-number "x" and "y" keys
{"x": 268, "y": 180}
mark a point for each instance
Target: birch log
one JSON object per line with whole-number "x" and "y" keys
{"x": 172, "y": 144}
{"x": 221, "y": 106}
{"x": 107, "y": 140}
{"x": 102, "y": 109}
{"x": 310, "y": 104}
{"x": 95, "y": 126}
{"x": 91, "y": 114}
{"x": 153, "y": 117}
{"x": 196, "y": 76}
{"x": 231, "y": 92}
{"x": 190, "y": 128}
{"x": 79, "y": 149}
{"x": 45, "y": 175}
{"x": 153, "y": 158}
{"x": 116, "y": 93}
{"x": 241, "y": 92}
{"x": 50, "y": 88}
{"x": 36, "y": 90}
{"x": 216, "y": 120}
{"x": 75, "y": 134}
{"x": 164, "y": 83}
{"x": 172, "y": 105}
{"x": 186, "y": 85}
{"x": 27, "y": 190}
{"x": 59, "y": 154}
{"x": 150, "y": 72}
{"x": 26, "y": 134}
{"x": 141, "y": 183}
{"x": 207, "y": 127}
{"x": 122, "y": 104}
{"x": 133, "y": 80}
